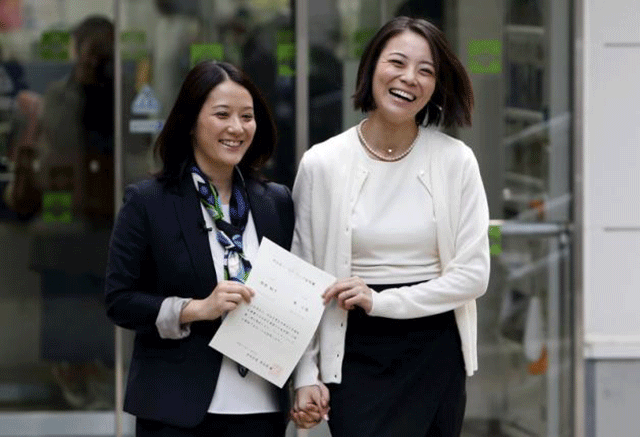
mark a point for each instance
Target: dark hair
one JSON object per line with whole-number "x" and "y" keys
{"x": 452, "y": 100}
{"x": 174, "y": 145}
{"x": 94, "y": 45}
{"x": 93, "y": 41}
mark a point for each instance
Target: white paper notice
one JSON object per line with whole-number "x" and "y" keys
{"x": 269, "y": 335}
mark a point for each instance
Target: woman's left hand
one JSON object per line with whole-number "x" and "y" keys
{"x": 349, "y": 293}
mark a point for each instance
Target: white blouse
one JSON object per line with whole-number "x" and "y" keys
{"x": 393, "y": 225}
{"x": 235, "y": 394}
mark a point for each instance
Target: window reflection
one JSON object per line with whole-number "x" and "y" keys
{"x": 58, "y": 193}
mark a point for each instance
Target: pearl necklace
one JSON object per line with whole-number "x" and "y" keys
{"x": 389, "y": 151}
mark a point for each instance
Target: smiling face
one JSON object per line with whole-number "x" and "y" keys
{"x": 404, "y": 78}
{"x": 224, "y": 129}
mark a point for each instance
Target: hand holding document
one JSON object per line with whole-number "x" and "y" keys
{"x": 269, "y": 335}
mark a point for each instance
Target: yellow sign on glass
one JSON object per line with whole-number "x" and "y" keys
{"x": 56, "y": 206}
{"x": 206, "y": 52}
{"x": 133, "y": 45}
{"x": 54, "y": 45}
{"x": 285, "y": 53}
{"x": 485, "y": 56}
{"x": 495, "y": 240}
{"x": 360, "y": 40}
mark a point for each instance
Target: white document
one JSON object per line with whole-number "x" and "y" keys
{"x": 269, "y": 335}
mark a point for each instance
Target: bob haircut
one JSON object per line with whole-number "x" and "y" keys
{"x": 452, "y": 99}
{"x": 174, "y": 145}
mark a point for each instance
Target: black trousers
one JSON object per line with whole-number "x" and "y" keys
{"x": 219, "y": 425}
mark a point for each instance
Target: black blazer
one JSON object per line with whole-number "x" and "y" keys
{"x": 159, "y": 248}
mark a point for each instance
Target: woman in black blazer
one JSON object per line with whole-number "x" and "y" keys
{"x": 180, "y": 251}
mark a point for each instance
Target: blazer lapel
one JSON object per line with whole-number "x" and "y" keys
{"x": 187, "y": 206}
{"x": 263, "y": 217}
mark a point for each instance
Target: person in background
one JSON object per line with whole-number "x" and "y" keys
{"x": 397, "y": 211}
{"x": 180, "y": 250}
{"x": 64, "y": 153}
{"x": 12, "y": 82}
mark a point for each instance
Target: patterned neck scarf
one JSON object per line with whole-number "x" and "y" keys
{"x": 229, "y": 235}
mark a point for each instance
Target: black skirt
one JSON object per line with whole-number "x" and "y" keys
{"x": 400, "y": 377}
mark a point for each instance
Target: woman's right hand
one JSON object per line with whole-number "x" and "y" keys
{"x": 225, "y": 297}
{"x": 349, "y": 293}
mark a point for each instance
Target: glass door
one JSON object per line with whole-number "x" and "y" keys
{"x": 56, "y": 212}
{"x": 519, "y": 59}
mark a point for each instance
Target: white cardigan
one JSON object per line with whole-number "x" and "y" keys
{"x": 325, "y": 191}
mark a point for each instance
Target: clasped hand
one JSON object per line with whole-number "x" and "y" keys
{"x": 312, "y": 401}
{"x": 311, "y": 406}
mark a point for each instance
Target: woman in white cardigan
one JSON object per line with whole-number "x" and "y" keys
{"x": 397, "y": 211}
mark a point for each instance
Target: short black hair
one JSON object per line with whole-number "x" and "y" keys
{"x": 452, "y": 100}
{"x": 94, "y": 44}
{"x": 174, "y": 145}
